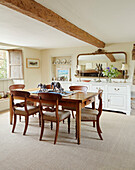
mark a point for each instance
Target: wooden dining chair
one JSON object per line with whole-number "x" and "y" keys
{"x": 48, "y": 86}
{"x": 94, "y": 115}
{"x": 22, "y": 109}
{"x": 75, "y": 88}
{"x": 53, "y": 116}
{"x": 17, "y": 86}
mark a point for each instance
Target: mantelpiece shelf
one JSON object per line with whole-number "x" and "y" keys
{"x": 97, "y": 77}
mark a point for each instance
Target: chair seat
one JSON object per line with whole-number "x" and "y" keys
{"x": 89, "y": 114}
{"x": 51, "y": 116}
{"x": 31, "y": 110}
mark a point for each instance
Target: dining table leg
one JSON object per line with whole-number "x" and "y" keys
{"x": 78, "y": 117}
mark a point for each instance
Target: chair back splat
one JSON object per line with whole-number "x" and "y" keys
{"x": 81, "y": 88}
{"x": 16, "y": 86}
{"x": 48, "y": 86}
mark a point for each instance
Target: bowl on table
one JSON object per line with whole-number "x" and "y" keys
{"x": 86, "y": 80}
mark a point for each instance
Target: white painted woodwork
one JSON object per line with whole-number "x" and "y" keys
{"x": 116, "y": 96}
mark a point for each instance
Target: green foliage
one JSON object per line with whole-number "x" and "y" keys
{"x": 111, "y": 72}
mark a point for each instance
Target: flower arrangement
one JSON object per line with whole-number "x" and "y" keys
{"x": 111, "y": 72}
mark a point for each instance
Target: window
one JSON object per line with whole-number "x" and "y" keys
{"x": 15, "y": 64}
{"x": 3, "y": 64}
{"x": 11, "y": 64}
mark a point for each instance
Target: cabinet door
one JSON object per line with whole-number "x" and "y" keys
{"x": 116, "y": 102}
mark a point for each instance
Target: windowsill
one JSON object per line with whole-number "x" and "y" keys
{"x": 10, "y": 79}
{"x": 4, "y": 99}
{"x": 5, "y": 79}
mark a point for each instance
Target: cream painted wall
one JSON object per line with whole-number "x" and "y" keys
{"x": 47, "y": 54}
{"x": 32, "y": 77}
{"x": 73, "y": 52}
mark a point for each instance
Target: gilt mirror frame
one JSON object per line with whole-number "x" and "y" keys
{"x": 100, "y": 51}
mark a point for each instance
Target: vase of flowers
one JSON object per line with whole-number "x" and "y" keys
{"x": 111, "y": 72}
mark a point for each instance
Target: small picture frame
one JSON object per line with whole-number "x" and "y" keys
{"x": 63, "y": 74}
{"x": 32, "y": 63}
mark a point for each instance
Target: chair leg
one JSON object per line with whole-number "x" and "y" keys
{"x": 57, "y": 131}
{"x": 14, "y": 123}
{"x": 20, "y": 118}
{"x": 98, "y": 130}
{"x": 69, "y": 124}
{"x": 42, "y": 130}
{"x": 26, "y": 124}
{"x": 51, "y": 125}
{"x": 93, "y": 123}
{"x": 39, "y": 119}
{"x": 73, "y": 114}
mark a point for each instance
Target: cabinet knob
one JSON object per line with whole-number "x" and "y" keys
{"x": 117, "y": 89}
{"x": 108, "y": 100}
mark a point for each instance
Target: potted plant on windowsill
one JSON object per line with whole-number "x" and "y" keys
{"x": 111, "y": 72}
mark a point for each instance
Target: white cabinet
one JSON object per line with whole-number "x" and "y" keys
{"x": 65, "y": 85}
{"x": 117, "y": 89}
{"x": 119, "y": 97}
{"x": 116, "y": 96}
{"x": 116, "y": 102}
{"x": 95, "y": 88}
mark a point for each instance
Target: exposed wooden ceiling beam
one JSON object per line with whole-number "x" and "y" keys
{"x": 37, "y": 11}
{"x": 111, "y": 57}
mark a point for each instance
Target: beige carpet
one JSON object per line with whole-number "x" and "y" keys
{"x": 115, "y": 152}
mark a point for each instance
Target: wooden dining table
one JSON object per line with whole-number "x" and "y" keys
{"x": 77, "y": 100}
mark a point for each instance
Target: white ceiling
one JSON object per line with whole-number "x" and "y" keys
{"x": 18, "y": 29}
{"x": 111, "y": 21}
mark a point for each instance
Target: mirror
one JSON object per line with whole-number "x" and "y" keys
{"x": 87, "y": 63}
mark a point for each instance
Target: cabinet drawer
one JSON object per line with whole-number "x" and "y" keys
{"x": 117, "y": 90}
{"x": 96, "y": 88}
